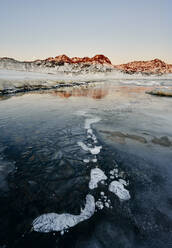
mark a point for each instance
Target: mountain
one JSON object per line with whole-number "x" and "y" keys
{"x": 100, "y": 59}
{"x": 62, "y": 63}
{"x": 98, "y": 63}
{"x": 155, "y": 66}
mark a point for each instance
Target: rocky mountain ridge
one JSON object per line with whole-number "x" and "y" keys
{"x": 155, "y": 66}
{"x": 98, "y": 63}
{"x": 62, "y": 63}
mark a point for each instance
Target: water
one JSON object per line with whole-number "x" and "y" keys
{"x": 51, "y": 143}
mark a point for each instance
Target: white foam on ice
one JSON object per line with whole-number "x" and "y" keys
{"x": 60, "y": 222}
{"x": 96, "y": 176}
{"x": 118, "y": 189}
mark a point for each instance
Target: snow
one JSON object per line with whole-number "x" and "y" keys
{"x": 60, "y": 222}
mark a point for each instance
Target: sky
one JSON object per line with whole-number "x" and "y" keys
{"x": 123, "y": 30}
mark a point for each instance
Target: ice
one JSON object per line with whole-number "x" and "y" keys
{"x": 123, "y": 182}
{"x": 86, "y": 160}
{"x": 99, "y": 205}
{"x": 94, "y": 150}
{"x": 13, "y": 77}
{"x": 118, "y": 189}
{"x": 97, "y": 175}
{"x": 107, "y": 205}
{"x": 94, "y": 160}
{"x": 89, "y": 122}
{"x": 60, "y": 222}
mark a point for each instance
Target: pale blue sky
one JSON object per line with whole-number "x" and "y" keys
{"x": 123, "y": 30}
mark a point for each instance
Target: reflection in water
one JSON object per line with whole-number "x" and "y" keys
{"x": 95, "y": 93}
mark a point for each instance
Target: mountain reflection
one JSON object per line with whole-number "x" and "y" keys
{"x": 96, "y": 93}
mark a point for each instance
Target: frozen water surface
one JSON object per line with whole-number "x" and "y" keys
{"x": 104, "y": 148}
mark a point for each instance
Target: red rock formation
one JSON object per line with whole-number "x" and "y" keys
{"x": 63, "y": 58}
{"x": 155, "y": 66}
{"x": 100, "y": 59}
{"x": 152, "y": 66}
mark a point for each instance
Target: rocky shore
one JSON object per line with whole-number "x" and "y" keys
{"x": 161, "y": 92}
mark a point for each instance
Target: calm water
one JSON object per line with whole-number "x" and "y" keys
{"x": 44, "y": 167}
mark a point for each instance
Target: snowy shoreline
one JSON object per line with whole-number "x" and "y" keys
{"x": 13, "y": 81}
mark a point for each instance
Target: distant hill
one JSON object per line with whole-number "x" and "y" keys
{"x": 155, "y": 66}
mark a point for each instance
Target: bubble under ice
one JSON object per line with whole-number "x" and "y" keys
{"x": 118, "y": 189}
{"x": 93, "y": 150}
{"x": 60, "y": 222}
{"x": 97, "y": 175}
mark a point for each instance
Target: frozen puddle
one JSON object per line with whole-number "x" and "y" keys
{"x": 117, "y": 187}
{"x": 60, "y": 222}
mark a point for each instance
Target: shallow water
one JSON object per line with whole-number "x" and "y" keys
{"x": 50, "y": 144}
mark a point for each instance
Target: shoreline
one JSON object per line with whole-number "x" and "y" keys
{"x": 12, "y": 81}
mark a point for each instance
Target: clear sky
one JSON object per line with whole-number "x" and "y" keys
{"x": 123, "y": 30}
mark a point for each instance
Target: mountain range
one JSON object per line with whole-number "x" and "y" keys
{"x": 98, "y": 63}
